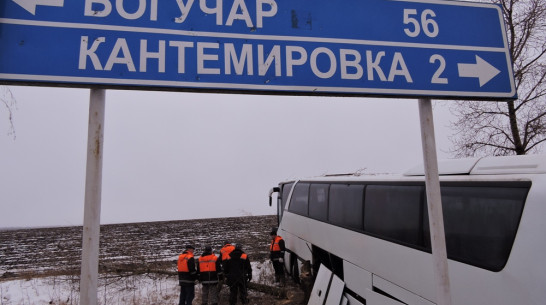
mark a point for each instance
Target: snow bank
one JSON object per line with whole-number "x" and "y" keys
{"x": 112, "y": 290}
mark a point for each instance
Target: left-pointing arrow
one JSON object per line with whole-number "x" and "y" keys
{"x": 30, "y": 5}
{"x": 481, "y": 69}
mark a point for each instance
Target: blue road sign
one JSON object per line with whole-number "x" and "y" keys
{"x": 439, "y": 49}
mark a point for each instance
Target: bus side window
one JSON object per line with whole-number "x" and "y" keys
{"x": 396, "y": 212}
{"x": 299, "y": 203}
{"x": 285, "y": 191}
{"x": 318, "y": 201}
{"x": 345, "y": 205}
{"x": 481, "y": 223}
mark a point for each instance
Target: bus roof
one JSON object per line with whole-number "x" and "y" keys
{"x": 525, "y": 164}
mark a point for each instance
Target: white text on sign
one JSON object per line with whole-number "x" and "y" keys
{"x": 346, "y": 63}
{"x": 148, "y": 9}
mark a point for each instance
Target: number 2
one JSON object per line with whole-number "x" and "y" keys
{"x": 436, "y": 79}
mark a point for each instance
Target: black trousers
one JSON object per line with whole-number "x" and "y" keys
{"x": 279, "y": 270}
{"x": 238, "y": 288}
{"x": 187, "y": 293}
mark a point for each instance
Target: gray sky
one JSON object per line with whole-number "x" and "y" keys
{"x": 172, "y": 156}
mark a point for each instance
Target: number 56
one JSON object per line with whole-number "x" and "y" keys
{"x": 429, "y": 25}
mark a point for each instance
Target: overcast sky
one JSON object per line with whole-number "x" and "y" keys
{"x": 171, "y": 156}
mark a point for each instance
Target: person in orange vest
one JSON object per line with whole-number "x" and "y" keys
{"x": 186, "y": 276}
{"x": 209, "y": 270}
{"x": 239, "y": 274}
{"x": 276, "y": 254}
{"x": 225, "y": 251}
{"x": 224, "y": 256}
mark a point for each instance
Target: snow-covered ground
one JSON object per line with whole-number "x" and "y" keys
{"x": 144, "y": 289}
{"x": 140, "y": 289}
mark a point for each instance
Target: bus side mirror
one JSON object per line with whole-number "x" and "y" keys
{"x": 273, "y": 190}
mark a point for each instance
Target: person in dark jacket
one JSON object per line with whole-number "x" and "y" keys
{"x": 224, "y": 255}
{"x": 209, "y": 270}
{"x": 276, "y": 254}
{"x": 225, "y": 251}
{"x": 239, "y": 273}
{"x": 186, "y": 276}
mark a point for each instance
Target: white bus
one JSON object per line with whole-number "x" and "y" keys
{"x": 372, "y": 232}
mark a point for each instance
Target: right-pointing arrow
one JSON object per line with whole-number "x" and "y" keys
{"x": 481, "y": 69}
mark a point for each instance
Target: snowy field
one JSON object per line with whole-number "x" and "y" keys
{"x": 59, "y": 290}
{"x": 137, "y": 289}
{"x": 137, "y": 261}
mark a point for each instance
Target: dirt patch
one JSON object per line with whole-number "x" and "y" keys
{"x": 145, "y": 245}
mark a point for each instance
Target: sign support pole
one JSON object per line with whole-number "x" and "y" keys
{"x": 434, "y": 203}
{"x": 93, "y": 189}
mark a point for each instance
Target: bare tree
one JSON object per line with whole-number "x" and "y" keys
{"x": 514, "y": 127}
{"x": 9, "y": 102}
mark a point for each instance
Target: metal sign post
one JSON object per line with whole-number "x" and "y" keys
{"x": 93, "y": 191}
{"x": 434, "y": 203}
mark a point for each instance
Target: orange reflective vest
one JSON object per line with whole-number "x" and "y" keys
{"x": 207, "y": 263}
{"x": 226, "y": 250}
{"x": 275, "y": 244}
{"x": 183, "y": 261}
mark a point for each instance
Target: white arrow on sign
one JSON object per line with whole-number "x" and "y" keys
{"x": 483, "y": 70}
{"x": 30, "y": 5}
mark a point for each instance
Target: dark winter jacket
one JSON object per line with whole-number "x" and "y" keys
{"x": 209, "y": 268}
{"x": 238, "y": 268}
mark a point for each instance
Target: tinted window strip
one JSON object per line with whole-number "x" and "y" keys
{"x": 422, "y": 222}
